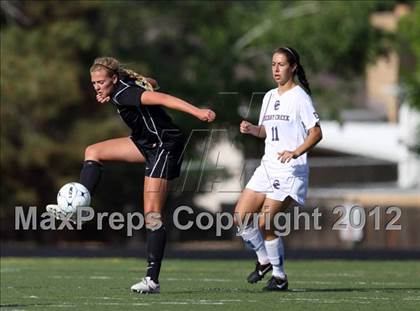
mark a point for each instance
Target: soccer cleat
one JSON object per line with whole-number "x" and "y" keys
{"x": 59, "y": 214}
{"x": 259, "y": 272}
{"x": 277, "y": 284}
{"x": 146, "y": 286}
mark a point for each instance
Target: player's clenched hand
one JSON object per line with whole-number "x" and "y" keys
{"x": 206, "y": 115}
{"x": 245, "y": 127}
{"x": 286, "y": 156}
{"x": 102, "y": 99}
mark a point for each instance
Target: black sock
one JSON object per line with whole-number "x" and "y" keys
{"x": 90, "y": 175}
{"x": 156, "y": 241}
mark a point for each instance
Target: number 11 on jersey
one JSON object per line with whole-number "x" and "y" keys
{"x": 274, "y": 134}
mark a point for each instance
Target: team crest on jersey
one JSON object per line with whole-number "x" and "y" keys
{"x": 277, "y": 105}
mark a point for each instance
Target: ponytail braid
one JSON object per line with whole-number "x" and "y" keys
{"x": 140, "y": 80}
{"x": 300, "y": 72}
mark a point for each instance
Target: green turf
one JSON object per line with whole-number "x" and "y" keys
{"x": 103, "y": 284}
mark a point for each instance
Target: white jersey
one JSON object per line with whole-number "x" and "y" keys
{"x": 286, "y": 119}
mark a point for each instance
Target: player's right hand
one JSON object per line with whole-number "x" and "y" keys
{"x": 102, "y": 99}
{"x": 245, "y": 127}
{"x": 206, "y": 115}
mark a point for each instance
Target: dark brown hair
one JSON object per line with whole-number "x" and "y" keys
{"x": 293, "y": 58}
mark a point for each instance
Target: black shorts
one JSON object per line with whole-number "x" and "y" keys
{"x": 161, "y": 162}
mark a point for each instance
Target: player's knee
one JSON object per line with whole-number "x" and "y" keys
{"x": 92, "y": 153}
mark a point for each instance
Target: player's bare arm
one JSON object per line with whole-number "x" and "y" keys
{"x": 314, "y": 137}
{"x": 172, "y": 102}
{"x": 255, "y": 130}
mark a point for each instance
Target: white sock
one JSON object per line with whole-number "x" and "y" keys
{"x": 253, "y": 238}
{"x": 275, "y": 252}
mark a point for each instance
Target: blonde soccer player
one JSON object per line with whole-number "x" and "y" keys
{"x": 154, "y": 140}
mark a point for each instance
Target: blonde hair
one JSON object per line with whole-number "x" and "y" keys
{"x": 112, "y": 67}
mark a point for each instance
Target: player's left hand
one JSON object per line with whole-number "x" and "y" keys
{"x": 286, "y": 156}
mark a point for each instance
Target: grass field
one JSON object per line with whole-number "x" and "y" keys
{"x": 103, "y": 284}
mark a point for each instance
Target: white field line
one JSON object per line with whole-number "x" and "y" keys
{"x": 388, "y": 283}
{"x": 318, "y": 282}
{"x": 198, "y": 302}
{"x": 340, "y": 274}
{"x": 222, "y": 302}
{"x": 191, "y": 303}
{"x": 180, "y": 301}
{"x": 358, "y": 283}
{"x": 119, "y": 304}
{"x": 323, "y": 301}
{"x": 340, "y": 301}
{"x": 9, "y": 270}
{"x": 61, "y": 306}
{"x": 66, "y": 277}
{"x": 93, "y": 277}
{"x": 201, "y": 280}
{"x": 373, "y": 298}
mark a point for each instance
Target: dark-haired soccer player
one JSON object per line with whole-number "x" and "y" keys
{"x": 290, "y": 127}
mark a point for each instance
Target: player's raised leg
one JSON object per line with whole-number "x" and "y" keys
{"x": 118, "y": 149}
{"x": 247, "y": 208}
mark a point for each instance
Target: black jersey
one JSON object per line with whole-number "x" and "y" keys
{"x": 150, "y": 125}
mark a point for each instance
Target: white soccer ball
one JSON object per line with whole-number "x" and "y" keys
{"x": 71, "y": 196}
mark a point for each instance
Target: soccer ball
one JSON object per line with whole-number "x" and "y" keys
{"x": 71, "y": 196}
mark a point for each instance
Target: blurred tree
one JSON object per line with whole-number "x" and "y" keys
{"x": 409, "y": 49}
{"x": 41, "y": 95}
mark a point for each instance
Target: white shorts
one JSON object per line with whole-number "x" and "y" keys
{"x": 278, "y": 185}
